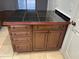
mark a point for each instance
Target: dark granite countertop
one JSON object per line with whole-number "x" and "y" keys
{"x": 31, "y": 16}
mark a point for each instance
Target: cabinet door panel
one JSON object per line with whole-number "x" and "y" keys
{"x": 39, "y": 40}
{"x": 53, "y": 39}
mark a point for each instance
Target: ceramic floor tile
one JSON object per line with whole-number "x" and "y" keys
{"x": 54, "y": 55}
{"x": 38, "y": 55}
{"x": 6, "y": 58}
{"x": 7, "y": 41}
{"x": 5, "y": 46}
{"x": 3, "y": 35}
{"x": 21, "y": 56}
{"x": 6, "y": 50}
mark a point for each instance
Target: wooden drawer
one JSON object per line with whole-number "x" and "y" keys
{"x": 19, "y": 42}
{"x": 18, "y": 28}
{"x": 49, "y": 27}
{"x": 23, "y": 48}
{"x": 20, "y": 48}
{"x": 21, "y": 34}
{"x": 23, "y": 44}
{"x": 22, "y": 38}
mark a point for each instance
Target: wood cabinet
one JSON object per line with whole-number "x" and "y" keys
{"x": 39, "y": 40}
{"x": 37, "y": 37}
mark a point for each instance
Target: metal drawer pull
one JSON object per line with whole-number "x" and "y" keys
{"x": 13, "y": 27}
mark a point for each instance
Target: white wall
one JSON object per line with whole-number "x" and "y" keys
{"x": 68, "y": 7}
{"x": 64, "y": 6}
{"x": 74, "y": 13}
{"x": 51, "y": 4}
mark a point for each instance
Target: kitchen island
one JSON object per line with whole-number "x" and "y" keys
{"x": 35, "y": 30}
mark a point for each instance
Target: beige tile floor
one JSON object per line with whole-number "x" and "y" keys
{"x": 6, "y": 52}
{"x": 5, "y": 46}
{"x": 36, "y": 55}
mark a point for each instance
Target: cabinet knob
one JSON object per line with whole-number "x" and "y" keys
{"x": 14, "y": 33}
{"x": 73, "y": 23}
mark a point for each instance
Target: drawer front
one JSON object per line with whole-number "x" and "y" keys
{"x": 23, "y": 48}
{"x": 49, "y": 27}
{"x": 21, "y": 34}
{"x": 20, "y": 48}
{"x": 20, "y": 28}
{"x": 23, "y": 44}
{"x": 22, "y": 39}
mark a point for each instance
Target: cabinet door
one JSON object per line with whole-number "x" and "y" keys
{"x": 53, "y": 39}
{"x": 39, "y": 40}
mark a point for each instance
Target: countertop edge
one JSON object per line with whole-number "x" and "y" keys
{"x": 34, "y": 23}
